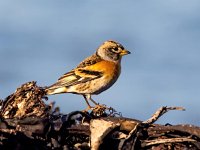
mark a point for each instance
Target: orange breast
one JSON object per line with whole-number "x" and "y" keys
{"x": 109, "y": 68}
{"x": 105, "y": 66}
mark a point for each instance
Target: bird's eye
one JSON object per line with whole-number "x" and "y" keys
{"x": 115, "y": 49}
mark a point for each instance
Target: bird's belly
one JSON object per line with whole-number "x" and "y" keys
{"x": 104, "y": 85}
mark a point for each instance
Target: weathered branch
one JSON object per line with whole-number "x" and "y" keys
{"x": 27, "y": 122}
{"x": 161, "y": 111}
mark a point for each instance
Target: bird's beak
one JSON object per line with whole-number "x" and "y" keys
{"x": 124, "y": 52}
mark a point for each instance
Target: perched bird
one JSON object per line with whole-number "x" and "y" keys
{"x": 93, "y": 75}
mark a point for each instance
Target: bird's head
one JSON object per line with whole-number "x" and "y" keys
{"x": 112, "y": 51}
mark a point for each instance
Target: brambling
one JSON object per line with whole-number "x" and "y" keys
{"x": 93, "y": 75}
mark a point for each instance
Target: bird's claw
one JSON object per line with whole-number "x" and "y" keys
{"x": 99, "y": 110}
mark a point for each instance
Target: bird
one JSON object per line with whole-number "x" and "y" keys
{"x": 94, "y": 74}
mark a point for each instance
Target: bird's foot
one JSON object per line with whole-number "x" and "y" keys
{"x": 99, "y": 110}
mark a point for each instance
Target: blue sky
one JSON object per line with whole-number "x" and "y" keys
{"x": 41, "y": 40}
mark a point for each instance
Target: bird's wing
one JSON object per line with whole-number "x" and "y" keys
{"x": 83, "y": 73}
{"x": 91, "y": 60}
{"x": 76, "y": 76}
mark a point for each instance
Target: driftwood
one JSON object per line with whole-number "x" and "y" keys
{"x": 28, "y": 123}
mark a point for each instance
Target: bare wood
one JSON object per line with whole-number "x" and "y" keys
{"x": 28, "y": 121}
{"x": 161, "y": 111}
{"x": 146, "y": 143}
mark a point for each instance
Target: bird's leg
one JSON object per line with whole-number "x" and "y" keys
{"x": 86, "y": 97}
{"x": 93, "y": 101}
{"x": 98, "y": 109}
{"x": 89, "y": 98}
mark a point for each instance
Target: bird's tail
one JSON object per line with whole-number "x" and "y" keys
{"x": 55, "y": 89}
{"x": 49, "y": 91}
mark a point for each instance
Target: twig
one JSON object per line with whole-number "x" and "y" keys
{"x": 163, "y": 141}
{"x": 160, "y": 112}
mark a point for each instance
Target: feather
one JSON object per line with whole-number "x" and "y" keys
{"x": 75, "y": 77}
